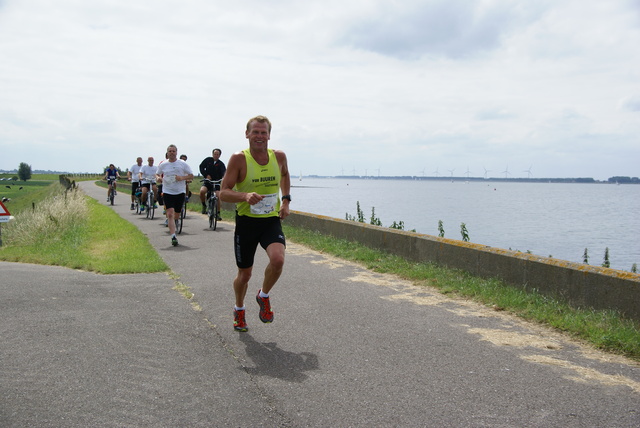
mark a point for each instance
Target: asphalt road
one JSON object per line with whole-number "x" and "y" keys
{"x": 348, "y": 347}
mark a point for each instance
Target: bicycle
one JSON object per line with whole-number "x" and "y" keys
{"x": 150, "y": 204}
{"x": 180, "y": 219}
{"x": 112, "y": 191}
{"x": 212, "y": 203}
{"x": 137, "y": 200}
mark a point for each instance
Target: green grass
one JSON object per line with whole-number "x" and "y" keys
{"x": 75, "y": 231}
{"x": 24, "y": 195}
{"x": 114, "y": 245}
{"x": 606, "y": 330}
{"x": 34, "y": 177}
{"x": 21, "y": 199}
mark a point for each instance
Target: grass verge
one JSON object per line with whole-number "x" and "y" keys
{"x": 115, "y": 245}
{"x": 69, "y": 229}
{"x": 606, "y": 330}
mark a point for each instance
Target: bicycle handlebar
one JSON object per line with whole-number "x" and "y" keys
{"x": 211, "y": 181}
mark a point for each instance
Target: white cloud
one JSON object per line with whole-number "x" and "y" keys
{"x": 438, "y": 28}
{"x": 397, "y": 86}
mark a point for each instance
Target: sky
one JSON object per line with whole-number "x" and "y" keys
{"x": 495, "y": 88}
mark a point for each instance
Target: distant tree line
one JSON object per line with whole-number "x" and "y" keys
{"x": 624, "y": 180}
{"x": 619, "y": 180}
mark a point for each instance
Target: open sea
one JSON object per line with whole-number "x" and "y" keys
{"x": 547, "y": 219}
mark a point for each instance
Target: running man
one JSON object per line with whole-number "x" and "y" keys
{"x": 175, "y": 174}
{"x": 253, "y": 181}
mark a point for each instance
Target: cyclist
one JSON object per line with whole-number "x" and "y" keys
{"x": 148, "y": 179}
{"x": 213, "y": 169}
{"x": 133, "y": 175}
{"x": 111, "y": 174}
{"x": 175, "y": 173}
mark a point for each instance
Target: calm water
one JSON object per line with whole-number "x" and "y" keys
{"x": 547, "y": 219}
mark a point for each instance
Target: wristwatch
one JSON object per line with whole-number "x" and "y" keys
{"x": 288, "y": 197}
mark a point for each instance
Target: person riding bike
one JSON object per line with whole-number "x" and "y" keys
{"x": 133, "y": 175}
{"x": 148, "y": 179}
{"x": 213, "y": 169}
{"x": 111, "y": 174}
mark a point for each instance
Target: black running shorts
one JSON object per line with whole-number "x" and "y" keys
{"x": 252, "y": 231}
{"x": 174, "y": 201}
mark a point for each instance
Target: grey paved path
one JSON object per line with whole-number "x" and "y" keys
{"x": 347, "y": 348}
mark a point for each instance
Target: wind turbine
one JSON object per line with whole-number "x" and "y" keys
{"x": 485, "y": 172}
{"x": 436, "y": 173}
{"x": 506, "y": 172}
{"x": 468, "y": 172}
{"x": 528, "y": 171}
{"x": 451, "y": 171}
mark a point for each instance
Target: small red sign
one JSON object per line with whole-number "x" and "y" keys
{"x": 3, "y": 210}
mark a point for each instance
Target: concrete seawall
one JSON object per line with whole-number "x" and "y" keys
{"x": 578, "y": 284}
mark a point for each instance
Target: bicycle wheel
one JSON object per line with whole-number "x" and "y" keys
{"x": 111, "y": 196}
{"x": 147, "y": 206}
{"x": 152, "y": 208}
{"x": 179, "y": 221}
{"x": 213, "y": 220}
{"x": 210, "y": 212}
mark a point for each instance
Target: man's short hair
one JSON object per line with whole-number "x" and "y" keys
{"x": 259, "y": 119}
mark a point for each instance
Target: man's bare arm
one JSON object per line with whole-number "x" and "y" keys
{"x": 285, "y": 182}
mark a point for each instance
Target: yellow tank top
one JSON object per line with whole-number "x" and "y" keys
{"x": 264, "y": 180}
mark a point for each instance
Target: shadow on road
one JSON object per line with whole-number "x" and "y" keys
{"x": 272, "y": 361}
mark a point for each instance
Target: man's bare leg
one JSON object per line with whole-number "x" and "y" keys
{"x": 241, "y": 284}
{"x": 273, "y": 270}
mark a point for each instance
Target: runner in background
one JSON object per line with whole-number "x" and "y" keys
{"x": 175, "y": 173}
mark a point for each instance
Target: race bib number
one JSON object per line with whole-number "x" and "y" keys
{"x": 169, "y": 179}
{"x": 266, "y": 205}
